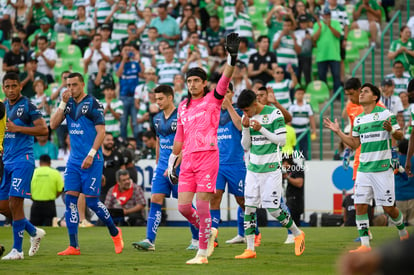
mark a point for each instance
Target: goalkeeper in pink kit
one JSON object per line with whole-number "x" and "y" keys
{"x": 196, "y": 138}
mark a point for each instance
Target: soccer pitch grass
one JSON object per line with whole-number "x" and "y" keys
{"x": 323, "y": 247}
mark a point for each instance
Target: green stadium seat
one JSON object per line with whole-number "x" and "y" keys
{"x": 6, "y": 43}
{"x": 319, "y": 92}
{"x": 63, "y": 40}
{"x": 352, "y": 52}
{"x": 359, "y": 38}
{"x": 71, "y": 52}
{"x": 60, "y": 66}
{"x": 350, "y": 12}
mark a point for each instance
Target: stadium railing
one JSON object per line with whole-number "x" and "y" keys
{"x": 302, "y": 136}
{"x": 338, "y": 94}
{"x": 361, "y": 63}
{"x": 389, "y": 28}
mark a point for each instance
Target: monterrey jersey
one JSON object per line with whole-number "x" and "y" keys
{"x": 17, "y": 146}
{"x": 165, "y": 129}
{"x": 229, "y": 139}
{"x": 81, "y": 119}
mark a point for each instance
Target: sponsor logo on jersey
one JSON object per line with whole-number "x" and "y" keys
{"x": 174, "y": 125}
{"x": 85, "y": 109}
{"x": 20, "y": 111}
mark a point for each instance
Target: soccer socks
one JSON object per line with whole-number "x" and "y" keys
{"x": 399, "y": 223}
{"x": 215, "y": 217}
{"x": 285, "y": 219}
{"x": 240, "y": 222}
{"x": 362, "y": 223}
{"x": 205, "y": 223}
{"x": 18, "y": 233}
{"x": 72, "y": 219}
{"x": 103, "y": 214}
{"x": 250, "y": 226}
{"x": 29, "y": 227}
{"x": 154, "y": 219}
{"x": 190, "y": 214}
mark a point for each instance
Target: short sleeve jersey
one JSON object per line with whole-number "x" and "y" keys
{"x": 165, "y": 129}
{"x": 81, "y": 120}
{"x": 18, "y": 147}
{"x": 229, "y": 137}
{"x": 375, "y": 140}
{"x": 264, "y": 154}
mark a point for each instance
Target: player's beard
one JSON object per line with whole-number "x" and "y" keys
{"x": 108, "y": 147}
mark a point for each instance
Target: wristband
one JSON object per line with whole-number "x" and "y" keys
{"x": 231, "y": 60}
{"x": 393, "y": 131}
{"x": 62, "y": 105}
{"x": 92, "y": 153}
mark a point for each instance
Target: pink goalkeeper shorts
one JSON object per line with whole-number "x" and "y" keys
{"x": 198, "y": 172}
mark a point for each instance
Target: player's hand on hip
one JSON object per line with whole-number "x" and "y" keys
{"x": 87, "y": 162}
{"x": 66, "y": 95}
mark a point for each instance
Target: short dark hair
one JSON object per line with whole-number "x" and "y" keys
{"x": 300, "y": 88}
{"x": 131, "y": 24}
{"x": 374, "y": 90}
{"x": 16, "y": 40}
{"x": 164, "y": 89}
{"x": 263, "y": 88}
{"x": 149, "y": 134}
{"x": 397, "y": 62}
{"x": 153, "y": 28}
{"x": 260, "y": 38}
{"x": 43, "y": 38}
{"x": 287, "y": 19}
{"x": 246, "y": 98}
{"x": 76, "y": 74}
{"x": 352, "y": 83}
{"x": 244, "y": 40}
{"x": 65, "y": 72}
{"x": 215, "y": 17}
{"x": 45, "y": 159}
{"x": 403, "y": 146}
{"x": 410, "y": 87}
{"x": 119, "y": 173}
{"x": 11, "y": 76}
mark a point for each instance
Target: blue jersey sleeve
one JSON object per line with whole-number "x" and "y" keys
{"x": 96, "y": 113}
{"x": 34, "y": 113}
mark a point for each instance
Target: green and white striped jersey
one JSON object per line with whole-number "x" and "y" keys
{"x": 229, "y": 9}
{"x": 243, "y": 26}
{"x": 167, "y": 71}
{"x": 300, "y": 116}
{"x": 103, "y": 9}
{"x": 69, "y": 14}
{"x": 285, "y": 53}
{"x": 375, "y": 140}
{"x": 265, "y": 155}
{"x": 121, "y": 21}
{"x": 39, "y": 100}
{"x": 87, "y": 25}
{"x": 244, "y": 57}
{"x": 281, "y": 90}
{"x": 113, "y": 125}
{"x": 339, "y": 14}
{"x": 400, "y": 83}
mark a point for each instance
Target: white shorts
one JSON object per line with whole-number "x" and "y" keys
{"x": 377, "y": 185}
{"x": 263, "y": 189}
{"x": 363, "y": 24}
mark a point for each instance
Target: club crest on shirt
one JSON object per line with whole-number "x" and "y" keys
{"x": 376, "y": 116}
{"x": 174, "y": 125}
{"x": 85, "y": 109}
{"x": 265, "y": 119}
{"x": 19, "y": 112}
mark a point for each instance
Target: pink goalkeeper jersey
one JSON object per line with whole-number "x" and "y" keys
{"x": 197, "y": 124}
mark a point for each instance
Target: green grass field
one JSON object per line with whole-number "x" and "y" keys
{"x": 323, "y": 247}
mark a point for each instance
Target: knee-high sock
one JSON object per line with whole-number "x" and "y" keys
{"x": 154, "y": 219}
{"x": 103, "y": 214}
{"x": 194, "y": 230}
{"x": 399, "y": 223}
{"x": 285, "y": 219}
{"x": 240, "y": 222}
{"x": 190, "y": 214}
{"x": 18, "y": 233}
{"x": 30, "y": 228}
{"x": 215, "y": 217}
{"x": 250, "y": 226}
{"x": 205, "y": 223}
{"x": 362, "y": 222}
{"x": 72, "y": 219}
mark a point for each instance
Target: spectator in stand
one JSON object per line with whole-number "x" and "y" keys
{"x": 46, "y": 58}
{"x": 83, "y": 29}
{"x": 245, "y": 51}
{"x": 127, "y": 197}
{"x": 148, "y": 48}
{"x": 47, "y": 31}
{"x": 146, "y": 113}
{"x": 43, "y": 146}
{"x": 406, "y": 114}
{"x": 263, "y": 63}
{"x": 128, "y": 71}
{"x": 286, "y": 46}
{"x": 399, "y": 77}
{"x": 168, "y": 68}
{"x": 391, "y": 101}
{"x": 38, "y": 10}
{"x": 403, "y": 49}
{"x": 99, "y": 80}
{"x": 367, "y": 17}
{"x": 190, "y": 27}
{"x": 242, "y": 22}
{"x": 112, "y": 111}
{"x": 281, "y": 86}
{"x": 217, "y": 59}
{"x": 166, "y": 25}
{"x": 180, "y": 90}
{"x": 29, "y": 76}
{"x": 150, "y": 141}
{"x": 240, "y": 80}
{"x": 67, "y": 14}
{"x": 113, "y": 161}
{"x": 41, "y": 100}
{"x": 326, "y": 35}
{"x": 109, "y": 44}
{"x": 304, "y": 37}
{"x": 6, "y": 10}
{"x": 129, "y": 160}
{"x": 301, "y": 11}
{"x": 18, "y": 14}
{"x": 274, "y": 19}
{"x": 46, "y": 187}
{"x": 121, "y": 16}
{"x": 186, "y": 14}
{"x": 410, "y": 24}
{"x": 214, "y": 34}
{"x": 142, "y": 91}
{"x": 14, "y": 59}
{"x": 144, "y": 24}
{"x": 194, "y": 54}
{"x": 339, "y": 14}
{"x": 302, "y": 118}
{"x": 94, "y": 53}
{"x": 102, "y": 10}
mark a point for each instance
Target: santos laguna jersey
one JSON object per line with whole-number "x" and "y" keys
{"x": 264, "y": 154}
{"x": 81, "y": 120}
{"x": 375, "y": 140}
{"x": 228, "y": 137}
{"x": 165, "y": 129}
{"x": 17, "y": 146}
